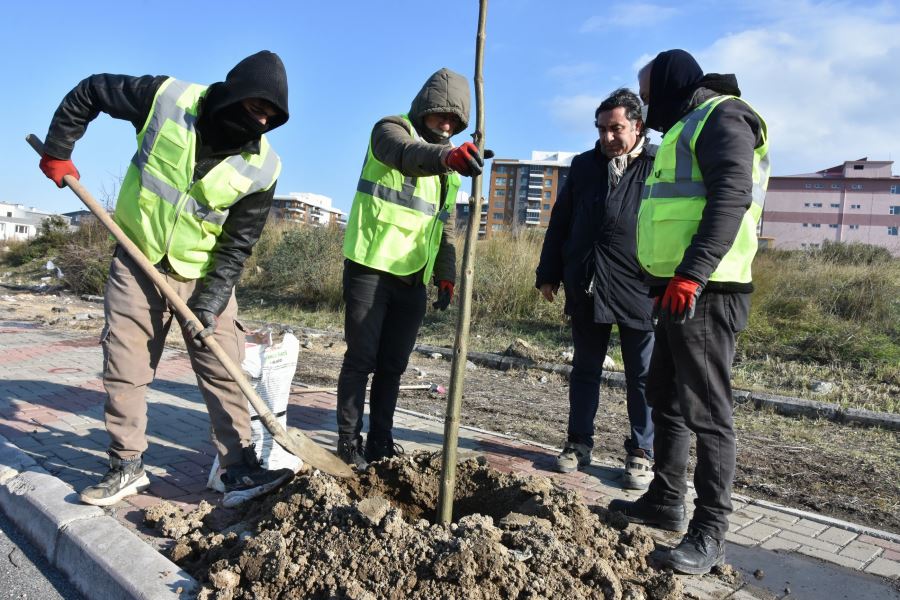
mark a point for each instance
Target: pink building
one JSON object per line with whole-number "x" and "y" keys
{"x": 858, "y": 201}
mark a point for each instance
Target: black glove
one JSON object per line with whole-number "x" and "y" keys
{"x": 205, "y": 328}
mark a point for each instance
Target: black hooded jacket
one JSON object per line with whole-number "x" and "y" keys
{"x": 220, "y": 135}
{"x": 724, "y": 151}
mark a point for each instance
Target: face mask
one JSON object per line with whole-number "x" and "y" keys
{"x": 238, "y": 125}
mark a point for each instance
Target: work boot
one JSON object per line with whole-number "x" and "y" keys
{"x": 573, "y": 457}
{"x": 381, "y": 446}
{"x": 125, "y": 477}
{"x": 696, "y": 554}
{"x": 248, "y": 479}
{"x": 350, "y": 451}
{"x": 645, "y": 512}
{"x": 638, "y": 471}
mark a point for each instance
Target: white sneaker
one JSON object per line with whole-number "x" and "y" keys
{"x": 638, "y": 472}
{"x": 573, "y": 457}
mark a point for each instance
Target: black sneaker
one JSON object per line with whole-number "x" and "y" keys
{"x": 350, "y": 450}
{"x": 248, "y": 479}
{"x": 126, "y": 477}
{"x": 381, "y": 446}
{"x": 645, "y": 512}
{"x": 696, "y": 554}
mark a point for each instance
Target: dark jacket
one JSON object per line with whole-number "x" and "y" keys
{"x": 592, "y": 239}
{"x": 393, "y": 144}
{"x": 725, "y": 156}
{"x": 131, "y": 98}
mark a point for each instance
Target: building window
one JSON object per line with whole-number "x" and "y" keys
{"x": 819, "y": 186}
{"x": 807, "y": 186}
{"x": 500, "y": 169}
{"x": 835, "y": 205}
{"x": 499, "y": 192}
{"x": 547, "y": 195}
{"x": 895, "y": 210}
{"x": 497, "y": 216}
{"x": 500, "y": 181}
{"x": 806, "y": 224}
{"x": 21, "y": 228}
{"x": 496, "y": 227}
{"x": 817, "y": 205}
{"x": 548, "y": 183}
{"x": 856, "y": 206}
{"x": 854, "y": 227}
{"x": 546, "y": 207}
{"x": 895, "y": 189}
{"x": 892, "y": 231}
{"x": 500, "y": 204}
{"x": 858, "y": 167}
{"x": 835, "y": 186}
{"x": 832, "y": 226}
{"x": 548, "y": 170}
{"x": 817, "y": 225}
{"x": 806, "y": 204}
{"x": 856, "y": 186}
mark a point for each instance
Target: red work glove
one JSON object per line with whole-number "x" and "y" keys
{"x": 465, "y": 159}
{"x": 445, "y": 294}
{"x": 680, "y": 299}
{"x": 56, "y": 169}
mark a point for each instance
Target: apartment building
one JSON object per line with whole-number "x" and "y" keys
{"x": 523, "y": 192}
{"x": 307, "y": 209}
{"x": 858, "y": 201}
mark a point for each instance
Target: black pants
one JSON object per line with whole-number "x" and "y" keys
{"x": 591, "y": 341}
{"x": 382, "y": 318}
{"x": 689, "y": 388}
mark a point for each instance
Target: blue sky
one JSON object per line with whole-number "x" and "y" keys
{"x": 825, "y": 75}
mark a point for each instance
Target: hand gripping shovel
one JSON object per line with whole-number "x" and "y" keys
{"x": 293, "y": 440}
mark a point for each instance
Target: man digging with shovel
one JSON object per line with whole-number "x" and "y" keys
{"x": 194, "y": 201}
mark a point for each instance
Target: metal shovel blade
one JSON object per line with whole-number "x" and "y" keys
{"x": 315, "y": 455}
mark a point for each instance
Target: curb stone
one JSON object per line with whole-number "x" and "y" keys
{"x": 785, "y": 405}
{"x": 96, "y": 553}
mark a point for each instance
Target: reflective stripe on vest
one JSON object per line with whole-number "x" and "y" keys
{"x": 161, "y": 208}
{"x": 396, "y": 222}
{"x": 675, "y": 196}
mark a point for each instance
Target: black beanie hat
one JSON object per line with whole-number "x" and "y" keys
{"x": 260, "y": 75}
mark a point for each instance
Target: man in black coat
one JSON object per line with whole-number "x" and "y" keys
{"x": 590, "y": 247}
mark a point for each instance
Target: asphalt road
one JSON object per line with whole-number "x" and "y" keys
{"x": 25, "y": 573}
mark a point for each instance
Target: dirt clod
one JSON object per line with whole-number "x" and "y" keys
{"x": 375, "y": 537}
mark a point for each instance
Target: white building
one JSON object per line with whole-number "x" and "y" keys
{"x": 309, "y": 209}
{"x": 18, "y": 222}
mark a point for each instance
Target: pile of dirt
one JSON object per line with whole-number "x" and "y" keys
{"x": 374, "y": 537}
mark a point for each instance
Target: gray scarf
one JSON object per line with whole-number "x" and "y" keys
{"x": 618, "y": 164}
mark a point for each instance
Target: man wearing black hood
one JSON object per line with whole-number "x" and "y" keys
{"x": 696, "y": 243}
{"x": 397, "y": 239}
{"x": 195, "y": 198}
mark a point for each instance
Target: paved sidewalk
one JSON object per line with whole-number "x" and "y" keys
{"x": 51, "y": 408}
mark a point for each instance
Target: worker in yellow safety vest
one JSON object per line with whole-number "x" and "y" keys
{"x": 194, "y": 200}
{"x": 399, "y": 237}
{"x": 696, "y": 239}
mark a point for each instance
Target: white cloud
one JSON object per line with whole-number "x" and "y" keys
{"x": 628, "y": 14}
{"x": 573, "y": 72}
{"x": 574, "y": 113}
{"x": 825, "y": 78}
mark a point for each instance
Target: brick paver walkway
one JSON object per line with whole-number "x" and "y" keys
{"x": 51, "y": 406}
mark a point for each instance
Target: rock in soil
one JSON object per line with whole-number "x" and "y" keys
{"x": 375, "y": 537}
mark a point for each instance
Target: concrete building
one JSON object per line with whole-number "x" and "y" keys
{"x": 523, "y": 192}
{"x": 18, "y": 222}
{"x": 858, "y": 201}
{"x": 307, "y": 209}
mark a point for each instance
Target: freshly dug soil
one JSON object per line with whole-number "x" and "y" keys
{"x": 375, "y": 537}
